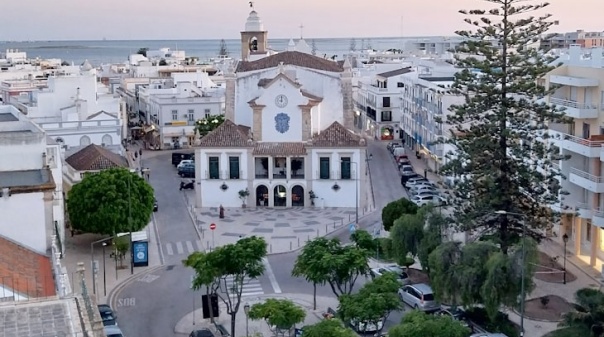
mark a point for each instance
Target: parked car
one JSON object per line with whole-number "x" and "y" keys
{"x": 417, "y": 184}
{"x": 419, "y": 296}
{"x": 423, "y": 200}
{"x": 107, "y": 314}
{"x": 364, "y": 327}
{"x": 407, "y": 170}
{"x": 187, "y": 185}
{"x": 391, "y": 144}
{"x": 416, "y": 189}
{"x": 113, "y": 331}
{"x": 417, "y": 179}
{"x": 155, "y": 205}
{"x": 187, "y": 171}
{"x": 201, "y": 333}
{"x": 177, "y": 157}
{"x": 458, "y": 315}
{"x": 185, "y": 162}
{"x": 402, "y": 275}
{"x": 405, "y": 178}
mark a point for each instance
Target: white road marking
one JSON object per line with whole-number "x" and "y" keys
{"x": 169, "y": 250}
{"x": 190, "y": 247}
{"x": 161, "y": 253}
{"x": 271, "y": 276}
{"x": 179, "y": 247}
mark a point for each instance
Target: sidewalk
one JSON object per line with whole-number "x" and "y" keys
{"x": 194, "y": 320}
{"x": 110, "y": 274}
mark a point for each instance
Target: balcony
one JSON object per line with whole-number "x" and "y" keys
{"x": 583, "y": 210}
{"x": 588, "y": 181}
{"x": 575, "y": 109}
{"x": 590, "y": 148}
{"x": 598, "y": 217}
{"x": 574, "y": 81}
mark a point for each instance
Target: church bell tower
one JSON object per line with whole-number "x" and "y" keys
{"x": 254, "y": 39}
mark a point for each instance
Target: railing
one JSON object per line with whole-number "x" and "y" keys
{"x": 585, "y": 175}
{"x": 582, "y": 205}
{"x": 571, "y": 104}
{"x": 599, "y": 212}
{"x": 583, "y": 141}
{"x": 262, "y": 175}
{"x": 78, "y": 125}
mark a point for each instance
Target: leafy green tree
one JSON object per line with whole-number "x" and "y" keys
{"x": 240, "y": 262}
{"x": 280, "y": 315}
{"x": 143, "y": 51}
{"x": 110, "y": 202}
{"x": 589, "y": 313}
{"x": 432, "y": 238}
{"x": 223, "y": 51}
{"x": 500, "y": 131}
{"x": 328, "y": 328}
{"x": 334, "y": 264}
{"x": 479, "y": 273}
{"x": 406, "y": 235}
{"x": 418, "y": 323}
{"x": 208, "y": 124}
{"x": 373, "y": 303}
{"x": 395, "y": 210}
{"x": 308, "y": 264}
{"x": 364, "y": 240}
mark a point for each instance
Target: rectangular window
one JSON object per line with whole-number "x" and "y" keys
{"x": 400, "y": 85}
{"x": 174, "y": 115}
{"x": 207, "y": 112}
{"x": 588, "y": 230}
{"x": 214, "y": 167}
{"x": 386, "y": 116}
{"x": 191, "y": 115}
{"x": 386, "y": 102}
{"x": 324, "y": 168}
{"x": 345, "y": 168}
{"x": 233, "y": 167}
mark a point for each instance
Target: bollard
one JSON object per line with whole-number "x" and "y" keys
{"x": 270, "y": 248}
{"x": 208, "y": 245}
{"x": 342, "y": 222}
{"x": 349, "y": 217}
{"x": 325, "y": 228}
{"x": 308, "y": 238}
{"x": 290, "y": 245}
{"x": 334, "y": 224}
{"x": 317, "y": 232}
{"x": 298, "y": 242}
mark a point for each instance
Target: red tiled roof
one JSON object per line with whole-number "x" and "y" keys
{"x": 336, "y": 135}
{"x": 95, "y": 158}
{"x": 24, "y": 271}
{"x": 293, "y": 58}
{"x": 279, "y": 149}
{"x": 228, "y": 134}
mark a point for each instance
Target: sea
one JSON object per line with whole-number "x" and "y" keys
{"x": 117, "y": 51}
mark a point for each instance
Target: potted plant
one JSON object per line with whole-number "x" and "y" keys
{"x": 243, "y": 194}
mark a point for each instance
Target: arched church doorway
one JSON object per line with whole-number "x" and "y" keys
{"x": 298, "y": 196}
{"x": 280, "y": 195}
{"x": 261, "y": 195}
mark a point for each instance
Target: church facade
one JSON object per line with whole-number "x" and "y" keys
{"x": 286, "y": 141}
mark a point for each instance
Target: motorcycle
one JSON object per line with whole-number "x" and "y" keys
{"x": 189, "y": 185}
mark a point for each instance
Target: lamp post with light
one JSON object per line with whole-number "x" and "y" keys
{"x": 246, "y": 309}
{"x": 522, "y": 270}
{"x": 104, "y": 273}
{"x": 356, "y": 185}
{"x": 565, "y": 239}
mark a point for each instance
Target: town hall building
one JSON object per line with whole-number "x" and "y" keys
{"x": 287, "y": 139}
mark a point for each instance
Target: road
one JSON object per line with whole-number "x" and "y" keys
{"x": 165, "y": 294}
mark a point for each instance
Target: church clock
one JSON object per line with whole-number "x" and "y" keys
{"x": 281, "y": 101}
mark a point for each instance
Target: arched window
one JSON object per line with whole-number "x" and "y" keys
{"x": 85, "y": 141}
{"x": 254, "y": 44}
{"x": 107, "y": 140}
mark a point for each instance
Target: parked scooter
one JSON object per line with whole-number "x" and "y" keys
{"x": 190, "y": 185}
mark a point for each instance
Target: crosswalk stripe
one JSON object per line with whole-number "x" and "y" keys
{"x": 179, "y": 247}
{"x": 169, "y": 250}
{"x": 190, "y": 247}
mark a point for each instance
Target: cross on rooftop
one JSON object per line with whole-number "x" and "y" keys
{"x": 301, "y": 31}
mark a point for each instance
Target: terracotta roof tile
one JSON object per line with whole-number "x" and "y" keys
{"x": 293, "y": 58}
{"x": 24, "y": 271}
{"x": 336, "y": 135}
{"x": 228, "y": 134}
{"x": 280, "y": 149}
{"x": 95, "y": 158}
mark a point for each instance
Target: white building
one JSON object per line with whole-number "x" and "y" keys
{"x": 287, "y": 137}
{"x": 30, "y": 183}
{"x": 433, "y": 46}
{"x": 76, "y": 111}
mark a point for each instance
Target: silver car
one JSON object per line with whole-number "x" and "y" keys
{"x": 419, "y": 296}
{"x": 402, "y": 276}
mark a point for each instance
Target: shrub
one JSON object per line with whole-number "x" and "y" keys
{"x": 501, "y": 323}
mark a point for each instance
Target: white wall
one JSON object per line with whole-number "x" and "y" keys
{"x": 292, "y": 110}
{"x": 29, "y": 157}
{"x": 28, "y": 230}
{"x": 208, "y": 190}
{"x": 345, "y": 196}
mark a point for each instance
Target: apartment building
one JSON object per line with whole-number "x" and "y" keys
{"x": 580, "y": 37}
{"x": 581, "y": 93}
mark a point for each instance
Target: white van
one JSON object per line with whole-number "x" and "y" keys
{"x": 399, "y": 151}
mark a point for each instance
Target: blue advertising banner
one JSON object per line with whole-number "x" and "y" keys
{"x": 140, "y": 251}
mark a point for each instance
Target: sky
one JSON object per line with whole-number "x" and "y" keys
{"x": 217, "y": 19}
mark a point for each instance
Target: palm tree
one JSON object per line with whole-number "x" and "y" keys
{"x": 588, "y": 313}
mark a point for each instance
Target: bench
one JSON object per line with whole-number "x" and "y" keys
{"x": 222, "y": 330}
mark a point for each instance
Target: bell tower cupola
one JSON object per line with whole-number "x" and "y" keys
{"x": 254, "y": 39}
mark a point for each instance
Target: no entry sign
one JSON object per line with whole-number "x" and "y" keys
{"x": 213, "y": 226}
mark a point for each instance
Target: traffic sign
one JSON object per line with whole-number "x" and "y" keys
{"x": 213, "y": 226}
{"x": 352, "y": 228}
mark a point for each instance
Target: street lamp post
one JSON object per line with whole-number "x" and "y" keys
{"x": 246, "y": 309}
{"x": 356, "y": 187}
{"x": 104, "y": 273}
{"x": 92, "y": 261}
{"x": 565, "y": 239}
{"x": 522, "y": 270}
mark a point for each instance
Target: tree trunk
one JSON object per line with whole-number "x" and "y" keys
{"x": 314, "y": 296}
{"x": 233, "y": 315}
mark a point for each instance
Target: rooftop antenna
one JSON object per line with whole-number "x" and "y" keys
{"x": 301, "y": 31}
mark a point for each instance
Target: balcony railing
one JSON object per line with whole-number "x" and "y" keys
{"x": 588, "y": 176}
{"x": 571, "y": 104}
{"x": 584, "y": 142}
{"x": 599, "y": 212}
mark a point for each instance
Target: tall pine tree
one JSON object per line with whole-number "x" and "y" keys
{"x": 500, "y": 132}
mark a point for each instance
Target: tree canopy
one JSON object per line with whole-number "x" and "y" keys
{"x": 208, "y": 124}
{"x": 589, "y": 312}
{"x": 327, "y": 261}
{"x": 364, "y": 240}
{"x": 103, "y": 202}
{"x": 237, "y": 262}
{"x": 418, "y": 323}
{"x": 395, "y": 210}
{"x": 328, "y": 328}
{"x": 500, "y": 132}
{"x": 279, "y": 314}
{"x": 223, "y": 51}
